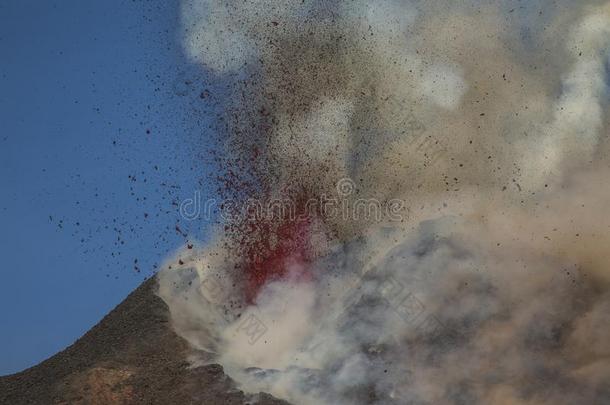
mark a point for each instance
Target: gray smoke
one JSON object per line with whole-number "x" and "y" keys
{"x": 488, "y": 119}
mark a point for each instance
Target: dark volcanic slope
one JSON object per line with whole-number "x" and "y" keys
{"x": 131, "y": 357}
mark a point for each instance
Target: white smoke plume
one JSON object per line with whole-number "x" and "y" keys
{"x": 489, "y": 121}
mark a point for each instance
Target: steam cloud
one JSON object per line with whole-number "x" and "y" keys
{"x": 488, "y": 119}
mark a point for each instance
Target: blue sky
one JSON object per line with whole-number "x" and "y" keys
{"x": 102, "y": 132}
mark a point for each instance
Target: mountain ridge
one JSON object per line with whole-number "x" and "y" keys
{"x": 132, "y": 356}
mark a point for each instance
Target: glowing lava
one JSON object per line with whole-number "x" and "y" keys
{"x": 284, "y": 252}
{"x": 277, "y": 249}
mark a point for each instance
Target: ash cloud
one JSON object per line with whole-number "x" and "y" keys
{"x": 489, "y": 120}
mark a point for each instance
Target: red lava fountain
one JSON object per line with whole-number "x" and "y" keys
{"x": 276, "y": 249}
{"x": 272, "y": 239}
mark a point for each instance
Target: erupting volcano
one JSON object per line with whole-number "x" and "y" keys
{"x": 414, "y": 211}
{"x": 483, "y": 287}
